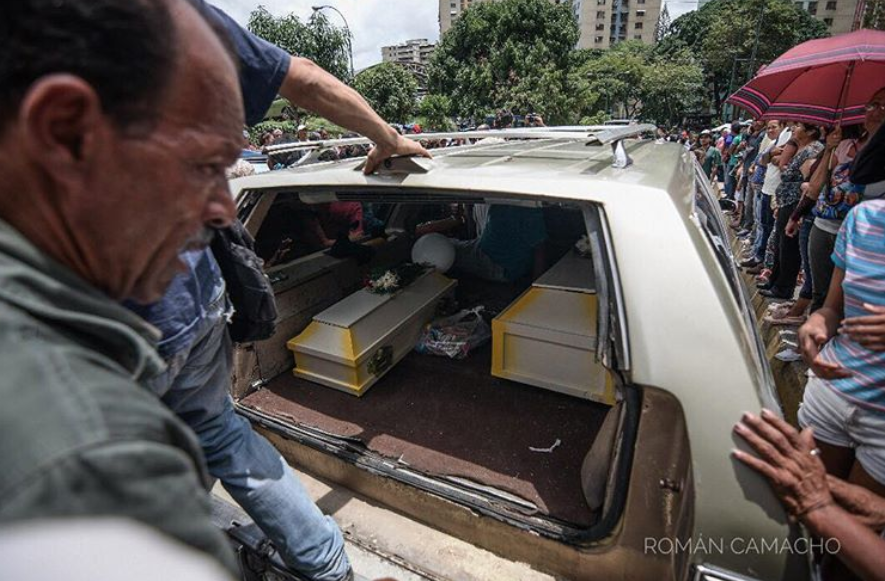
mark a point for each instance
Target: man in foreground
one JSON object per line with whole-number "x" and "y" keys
{"x": 114, "y": 152}
{"x": 195, "y": 341}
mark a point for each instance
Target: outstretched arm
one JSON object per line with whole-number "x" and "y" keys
{"x": 310, "y": 87}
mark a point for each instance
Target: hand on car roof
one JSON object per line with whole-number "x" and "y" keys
{"x": 404, "y": 147}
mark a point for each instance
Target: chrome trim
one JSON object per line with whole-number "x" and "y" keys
{"x": 711, "y": 573}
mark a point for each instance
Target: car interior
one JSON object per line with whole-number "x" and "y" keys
{"x": 532, "y": 448}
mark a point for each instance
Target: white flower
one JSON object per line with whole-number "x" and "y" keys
{"x": 388, "y": 281}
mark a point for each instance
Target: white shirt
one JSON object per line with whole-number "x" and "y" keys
{"x": 773, "y": 173}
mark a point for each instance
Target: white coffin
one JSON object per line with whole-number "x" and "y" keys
{"x": 547, "y": 337}
{"x": 353, "y": 343}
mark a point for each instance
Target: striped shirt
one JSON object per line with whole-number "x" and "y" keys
{"x": 860, "y": 252}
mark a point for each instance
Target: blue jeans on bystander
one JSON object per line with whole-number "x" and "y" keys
{"x": 195, "y": 387}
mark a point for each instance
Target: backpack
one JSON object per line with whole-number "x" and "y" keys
{"x": 249, "y": 289}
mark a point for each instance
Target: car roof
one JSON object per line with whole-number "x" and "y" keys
{"x": 549, "y": 167}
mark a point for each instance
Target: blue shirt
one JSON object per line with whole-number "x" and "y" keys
{"x": 263, "y": 67}
{"x": 860, "y": 252}
{"x": 510, "y": 237}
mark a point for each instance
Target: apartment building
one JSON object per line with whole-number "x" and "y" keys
{"x": 416, "y": 51}
{"x": 607, "y": 22}
{"x": 602, "y": 22}
{"x": 839, "y": 15}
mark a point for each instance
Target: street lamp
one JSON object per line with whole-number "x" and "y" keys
{"x": 347, "y": 30}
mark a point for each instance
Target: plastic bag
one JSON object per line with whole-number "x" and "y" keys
{"x": 455, "y": 336}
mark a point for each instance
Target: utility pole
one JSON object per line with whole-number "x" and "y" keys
{"x": 346, "y": 31}
{"x": 756, "y": 40}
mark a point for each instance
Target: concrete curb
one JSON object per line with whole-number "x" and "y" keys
{"x": 790, "y": 377}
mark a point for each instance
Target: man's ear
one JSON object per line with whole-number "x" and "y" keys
{"x": 61, "y": 117}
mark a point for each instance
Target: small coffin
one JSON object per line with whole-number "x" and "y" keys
{"x": 547, "y": 337}
{"x": 350, "y": 345}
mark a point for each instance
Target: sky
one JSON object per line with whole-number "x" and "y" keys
{"x": 375, "y": 23}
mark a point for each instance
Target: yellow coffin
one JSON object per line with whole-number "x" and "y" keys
{"x": 353, "y": 343}
{"x": 547, "y": 338}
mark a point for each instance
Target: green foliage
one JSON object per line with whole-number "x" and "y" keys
{"x": 324, "y": 44}
{"x": 435, "y": 113}
{"x": 518, "y": 54}
{"x": 635, "y": 82}
{"x": 722, "y": 35}
{"x": 390, "y": 89}
{"x": 874, "y": 15}
{"x": 597, "y": 118}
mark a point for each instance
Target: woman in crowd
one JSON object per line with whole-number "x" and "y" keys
{"x": 832, "y": 195}
{"x": 845, "y": 400}
{"x": 774, "y": 159}
{"x": 782, "y": 283}
{"x": 763, "y": 216}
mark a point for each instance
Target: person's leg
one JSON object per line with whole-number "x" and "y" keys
{"x": 749, "y": 220}
{"x": 777, "y": 233}
{"x": 729, "y": 185}
{"x": 766, "y": 221}
{"x": 867, "y": 426}
{"x": 820, "y": 250}
{"x": 789, "y": 260}
{"x": 804, "y": 232}
{"x": 249, "y": 468}
{"x": 828, "y": 414}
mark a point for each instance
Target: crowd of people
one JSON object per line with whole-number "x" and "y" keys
{"x": 807, "y": 202}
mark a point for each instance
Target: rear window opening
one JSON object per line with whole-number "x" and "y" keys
{"x": 519, "y": 435}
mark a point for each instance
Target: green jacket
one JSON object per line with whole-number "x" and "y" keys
{"x": 78, "y": 436}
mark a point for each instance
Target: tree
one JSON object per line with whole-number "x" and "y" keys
{"x": 318, "y": 40}
{"x": 722, "y": 35}
{"x": 390, "y": 89}
{"x": 518, "y": 54}
{"x": 635, "y": 81}
{"x": 663, "y": 24}
{"x": 435, "y": 113}
{"x": 874, "y": 14}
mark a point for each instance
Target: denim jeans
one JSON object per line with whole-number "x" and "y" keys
{"x": 730, "y": 182}
{"x": 195, "y": 387}
{"x": 765, "y": 219}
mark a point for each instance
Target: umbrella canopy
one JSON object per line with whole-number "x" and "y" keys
{"x": 826, "y": 81}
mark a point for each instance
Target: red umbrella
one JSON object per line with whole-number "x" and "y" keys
{"x": 826, "y": 81}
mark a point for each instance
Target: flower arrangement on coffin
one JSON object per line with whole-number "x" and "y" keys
{"x": 388, "y": 281}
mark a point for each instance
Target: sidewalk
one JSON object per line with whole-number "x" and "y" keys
{"x": 790, "y": 377}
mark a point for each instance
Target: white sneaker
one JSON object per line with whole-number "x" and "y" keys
{"x": 788, "y": 355}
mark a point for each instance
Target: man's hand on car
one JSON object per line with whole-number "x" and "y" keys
{"x": 402, "y": 147}
{"x": 868, "y": 330}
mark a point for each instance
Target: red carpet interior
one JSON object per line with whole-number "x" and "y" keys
{"x": 452, "y": 418}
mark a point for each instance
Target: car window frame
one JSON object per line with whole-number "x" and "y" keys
{"x": 728, "y": 267}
